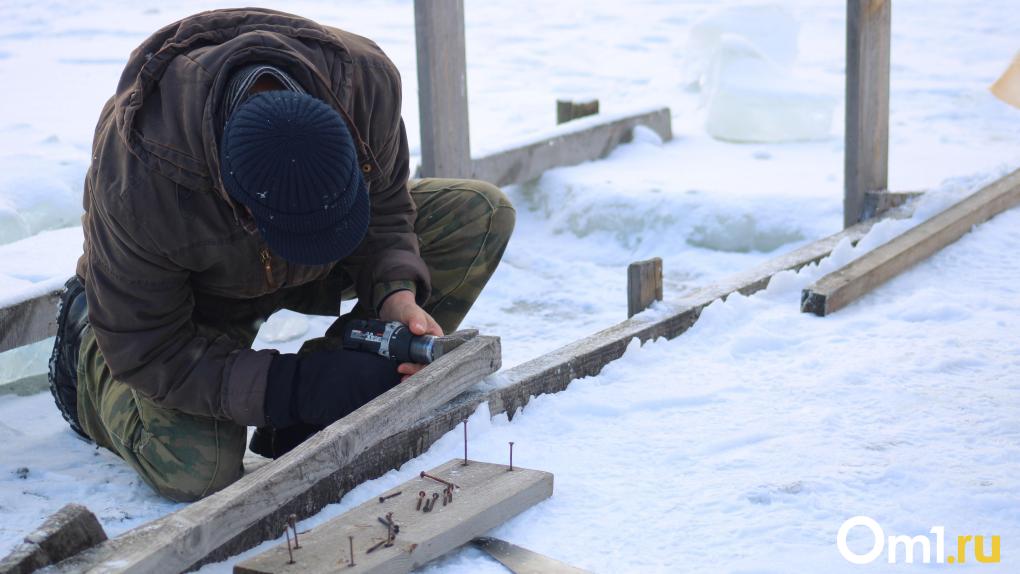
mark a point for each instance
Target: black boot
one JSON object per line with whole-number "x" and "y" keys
{"x": 72, "y": 318}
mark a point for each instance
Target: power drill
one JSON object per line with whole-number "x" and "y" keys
{"x": 390, "y": 339}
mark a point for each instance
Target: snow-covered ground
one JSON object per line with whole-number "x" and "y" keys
{"x": 756, "y": 433}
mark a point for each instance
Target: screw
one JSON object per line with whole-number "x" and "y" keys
{"x": 292, "y": 519}
{"x": 437, "y": 479}
{"x": 511, "y": 455}
{"x": 389, "y": 496}
{"x": 388, "y": 525}
{"x": 290, "y": 552}
{"x": 435, "y": 496}
{"x": 421, "y": 497}
{"x": 449, "y": 493}
{"x": 350, "y": 539}
{"x": 465, "y": 443}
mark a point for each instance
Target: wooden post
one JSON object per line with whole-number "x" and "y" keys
{"x": 567, "y": 110}
{"x": 442, "y": 88}
{"x": 644, "y": 285}
{"x": 866, "y": 166}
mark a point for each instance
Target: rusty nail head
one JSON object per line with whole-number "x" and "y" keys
{"x": 293, "y": 519}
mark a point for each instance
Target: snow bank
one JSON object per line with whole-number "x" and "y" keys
{"x": 37, "y": 195}
{"x": 742, "y": 59}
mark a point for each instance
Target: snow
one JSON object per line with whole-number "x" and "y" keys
{"x": 756, "y": 433}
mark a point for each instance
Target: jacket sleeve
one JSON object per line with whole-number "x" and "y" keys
{"x": 140, "y": 308}
{"x": 388, "y": 259}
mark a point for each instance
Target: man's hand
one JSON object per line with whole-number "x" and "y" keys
{"x": 402, "y": 307}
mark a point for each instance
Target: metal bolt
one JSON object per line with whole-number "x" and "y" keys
{"x": 421, "y": 497}
{"x": 389, "y": 525}
{"x": 350, "y": 539}
{"x": 437, "y": 479}
{"x": 511, "y": 455}
{"x": 292, "y": 520}
{"x": 290, "y": 552}
{"x": 449, "y": 493}
{"x": 465, "y": 443}
{"x": 389, "y": 496}
{"x": 435, "y": 497}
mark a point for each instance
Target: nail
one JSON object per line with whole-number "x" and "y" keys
{"x": 290, "y": 552}
{"x": 449, "y": 493}
{"x": 376, "y": 547}
{"x": 389, "y": 496}
{"x": 465, "y": 442}
{"x": 292, "y": 519}
{"x": 437, "y": 479}
{"x": 421, "y": 497}
{"x": 511, "y": 455}
{"x": 350, "y": 539}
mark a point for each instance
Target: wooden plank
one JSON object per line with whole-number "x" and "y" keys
{"x": 866, "y": 166}
{"x": 301, "y": 482}
{"x": 442, "y": 88}
{"x": 520, "y": 560}
{"x": 644, "y": 284}
{"x": 70, "y": 530}
{"x": 550, "y": 373}
{"x": 567, "y": 110}
{"x": 487, "y": 496}
{"x": 573, "y": 143}
{"x": 29, "y": 321}
{"x": 839, "y": 288}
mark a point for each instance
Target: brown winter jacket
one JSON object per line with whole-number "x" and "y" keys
{"x": 170, "y": 260}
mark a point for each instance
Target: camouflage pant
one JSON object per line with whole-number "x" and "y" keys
{"x": 463, "y": 227}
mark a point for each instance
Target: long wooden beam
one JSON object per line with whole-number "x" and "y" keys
{"x": 575, "y": 142}
{"x": 549, "y": 373}
{"x": 839, "y": 288}
{"x": 29, "y": 321}
{"x": 301, "y": 482}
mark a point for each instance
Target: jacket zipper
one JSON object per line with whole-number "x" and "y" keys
{"x": 267, "y": 264}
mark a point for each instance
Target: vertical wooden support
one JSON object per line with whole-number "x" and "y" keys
{"x": 644, "y": 285}
{"x": 867, "y": 103}
{"x": 567, "y": 110}
{"x": 442, "y": 88}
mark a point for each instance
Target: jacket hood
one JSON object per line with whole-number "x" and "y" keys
{"x": 167, "y": 107}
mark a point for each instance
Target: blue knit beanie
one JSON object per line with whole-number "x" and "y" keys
{"x": 290, "y": 159}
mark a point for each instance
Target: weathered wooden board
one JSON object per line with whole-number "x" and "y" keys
{"x": 72, "y": 529}
{"x": 520, "y": 560}
{"x": 644, "y": 284}
{"x": 442, "y": 88}
{"x": 488, "y": 495}
{"x": 29, "y": 321}
{"x": 839, "y": 288}
{"x": 573, "y": 143}
{"x": 302, "y": 481}
{"x": 550, "y": 373}
{"x": 866, "y": 162}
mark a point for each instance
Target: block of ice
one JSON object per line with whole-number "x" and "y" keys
{"x": 771, "y": 29}
{"x": 749, "y": 98}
